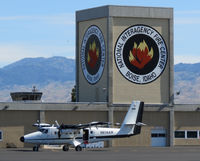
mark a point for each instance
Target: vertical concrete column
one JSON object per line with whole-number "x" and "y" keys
{"x": 171, "y": 118}
{"x": 42, "y": 116}
{"x": 110, "y": 119}
{"x": 110, "y": 71}
{"x": 77, "y": 62}
{"x": 171, "y": 60}
{"x": 110, "y": 59}
{"x": 171, "y": 80}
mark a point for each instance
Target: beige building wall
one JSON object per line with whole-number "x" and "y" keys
{"x": 187, "y": 121}
{"x": 91, "y": 92}
{"x": 125, "y": 91}
{"x": 152, "y": 119}
{"x": 17, "y": 121}
{"x": 15, "y": 124}
{"x": 75, "y": 117}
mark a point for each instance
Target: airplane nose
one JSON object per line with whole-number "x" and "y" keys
{"x": 22, "y": 139}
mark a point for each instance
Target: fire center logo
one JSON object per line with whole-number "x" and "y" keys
{"x": 93, "y": 54}
{"x": 140, "y": 54}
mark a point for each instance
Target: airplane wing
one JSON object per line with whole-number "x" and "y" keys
{"x": 82, "y": 126}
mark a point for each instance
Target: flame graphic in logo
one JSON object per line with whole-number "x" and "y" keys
{"x": 140, "y": 55}
{"x": 93, "y": 55}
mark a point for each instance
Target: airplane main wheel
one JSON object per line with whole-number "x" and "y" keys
{"x": 35, "y": 148}
{"x": 65, "y": 148}
{"x": 78, "y": 148}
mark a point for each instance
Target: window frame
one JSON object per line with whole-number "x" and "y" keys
{"x": 191, "y": 132}
{"x": 183, "y": 131}
{"x": 1, "y": 135}
{"x": 158, "y": 135}
{"x": 186, "y": 134}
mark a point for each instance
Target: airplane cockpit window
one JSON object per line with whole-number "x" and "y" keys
{"x": 43, "y": 131}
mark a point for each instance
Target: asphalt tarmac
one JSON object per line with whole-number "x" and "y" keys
{"x": 110, "y": 154}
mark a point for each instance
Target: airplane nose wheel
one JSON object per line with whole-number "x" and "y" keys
{"x": 35, "y": 148}
{"x": 78, "y": 148}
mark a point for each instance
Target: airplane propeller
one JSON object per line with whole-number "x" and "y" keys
{"x": 57, "y": 124}
{"x": 59, "y": 128}
{"x": 39, "y": 125}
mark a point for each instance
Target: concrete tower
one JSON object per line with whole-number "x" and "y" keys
{"x": 124, "y": 53}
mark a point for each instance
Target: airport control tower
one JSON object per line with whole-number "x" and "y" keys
{"x": 26, "y": 96}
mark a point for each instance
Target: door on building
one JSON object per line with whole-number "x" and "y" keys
{"x": 158, "y": 138}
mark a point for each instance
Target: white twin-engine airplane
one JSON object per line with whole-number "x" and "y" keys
{"x": 80, "y": 134}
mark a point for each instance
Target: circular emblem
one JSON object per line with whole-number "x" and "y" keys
{"x": 93, "y": 54}
{"x": 140, "y": 54}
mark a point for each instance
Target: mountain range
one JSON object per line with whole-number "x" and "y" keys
{"x": 187, "y": 83}
{"x": 55, "y": 77}
{"x": 41, "y": 71}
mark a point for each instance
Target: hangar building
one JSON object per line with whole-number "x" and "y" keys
{"x": 123, "y": 53}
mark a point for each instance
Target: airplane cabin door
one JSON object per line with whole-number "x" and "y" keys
{"x": 86, "y": 135}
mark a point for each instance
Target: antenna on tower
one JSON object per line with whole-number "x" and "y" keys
{"x": 34, "y": 89}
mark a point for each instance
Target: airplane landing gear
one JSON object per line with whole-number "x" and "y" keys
{"x": 65, "y": 148}
{"x": 78, "y": 148}
{"x": 35, "y": 148}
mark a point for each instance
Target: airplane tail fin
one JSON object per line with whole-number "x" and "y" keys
{"x": 133, "y": 120}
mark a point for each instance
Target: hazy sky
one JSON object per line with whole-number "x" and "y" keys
{"x": 45, "y": 28}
